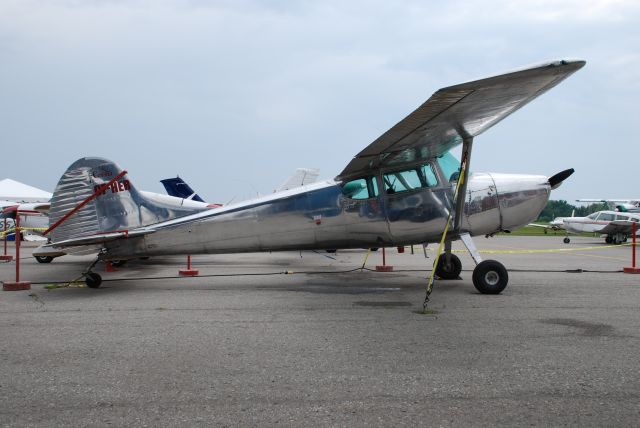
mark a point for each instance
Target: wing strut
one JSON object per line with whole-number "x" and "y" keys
{"x": 459, "y": 197}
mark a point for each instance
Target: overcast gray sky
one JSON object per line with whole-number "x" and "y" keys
{"x": 234, "y": 95}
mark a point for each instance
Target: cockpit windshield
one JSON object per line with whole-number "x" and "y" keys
{"x": 449, "y": 165}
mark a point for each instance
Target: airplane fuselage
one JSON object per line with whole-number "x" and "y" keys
{"x": 321, "y": 216}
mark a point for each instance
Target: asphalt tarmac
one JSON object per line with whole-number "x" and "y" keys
{"x": 244, "y": 344}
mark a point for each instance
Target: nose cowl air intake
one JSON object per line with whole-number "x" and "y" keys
{"x": 556, "y": 180}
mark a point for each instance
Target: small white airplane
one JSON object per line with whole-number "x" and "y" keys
{"x": 615, "y": 225}
{"x": 555, "y": 224}
{"x": 621, "y": 205}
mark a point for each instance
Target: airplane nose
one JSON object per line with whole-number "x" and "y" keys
{"x": 521, "y": 197}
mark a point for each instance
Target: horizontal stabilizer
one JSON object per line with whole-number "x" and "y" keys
{"x": 102, "y": 238}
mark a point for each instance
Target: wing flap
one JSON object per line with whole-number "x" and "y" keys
{"x": 457, "y": 112}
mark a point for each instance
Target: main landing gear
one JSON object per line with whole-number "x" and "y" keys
{"x": 489, "y": 276}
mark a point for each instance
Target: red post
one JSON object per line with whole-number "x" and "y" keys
{"x": 189, "y": 271}
{"x": 384, "y": 267}
{"x": 633, "y": 268}
{"x": 17, "y": 240}
{"x": 15, "y": 286}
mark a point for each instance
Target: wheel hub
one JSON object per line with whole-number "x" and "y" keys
{"x": 492, "y": 277}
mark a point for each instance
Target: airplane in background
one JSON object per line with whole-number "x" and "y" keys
{"x": 179, "y": 188}
{"x": 29, "y": 203}
{"x": 397, "y": 191}
{"x": 615, "y": 225}
{"x": 555, "y": 224}
{"x": 301, "y": 177}
{"x": 621, "y": 205}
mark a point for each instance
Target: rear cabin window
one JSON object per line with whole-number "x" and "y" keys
{"x": 410, "y": 179}
{"x": 361, "y": 188}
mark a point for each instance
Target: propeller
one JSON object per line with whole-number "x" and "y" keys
{"x": 556, "y": 180}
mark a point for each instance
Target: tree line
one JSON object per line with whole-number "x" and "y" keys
{"x": 564, "y": 209}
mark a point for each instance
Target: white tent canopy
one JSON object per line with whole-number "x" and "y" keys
{"x": 11, "y": 190}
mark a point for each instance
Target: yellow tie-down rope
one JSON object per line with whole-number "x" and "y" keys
{"x": 4, "y": 233}
{"x": 429, "y": 287}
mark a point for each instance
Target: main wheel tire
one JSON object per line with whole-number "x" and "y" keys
{"x": 608, "y": 239}
{"x": 93, "y": 280}
{"x": 118, "y": 263}
{"x": 566, "y": 240}
{"x": 490, "y": 277}
{"x": 44, "y": 259}
{"x": 450, "y": 270}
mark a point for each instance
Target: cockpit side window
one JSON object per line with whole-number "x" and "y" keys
{"x": 361, "y": 188}
{"x": 592, "y": 216}
{"x": 606, "y": 217}
{"x": 410, "y": 179}
{"x": 429, "y": 175}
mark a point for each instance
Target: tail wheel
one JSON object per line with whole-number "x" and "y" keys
{"x": 566, "y": 240}
{"x": 93, "y": 280}
{"x": 490, "y": 277}
{"x": 44, "y": 259}
{"x": 449, "y": 269}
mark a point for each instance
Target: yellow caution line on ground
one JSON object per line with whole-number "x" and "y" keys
{"x": 550, "y": 250}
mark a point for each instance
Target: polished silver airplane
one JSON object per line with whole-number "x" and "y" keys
{"x": 404, "y": 188}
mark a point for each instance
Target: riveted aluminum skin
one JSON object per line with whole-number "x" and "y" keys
{"x": 321, "y": 217}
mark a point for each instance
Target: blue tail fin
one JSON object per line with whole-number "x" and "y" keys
{"x": 178, "y": 188}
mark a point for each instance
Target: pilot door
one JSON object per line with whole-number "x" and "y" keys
{"x": 416, "y": 205}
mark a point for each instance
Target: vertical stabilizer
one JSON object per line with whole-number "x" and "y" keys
{"x": 104, "y": 200}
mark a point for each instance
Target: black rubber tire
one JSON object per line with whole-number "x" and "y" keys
{"x": 566, "y": 240}
{"x": 93, "y": 280}
{"x": 44, "y": 259}
{"x": 118, "y": 263}
{"x": 331, "y": 251}
{"x": 608, "y": 239}
{"x": 451, "y": 270}
{"x": 490, "y": 277}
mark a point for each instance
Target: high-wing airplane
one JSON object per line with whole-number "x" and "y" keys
{"x": 404, "y": 188}
{"x": 622, "y": 205}
{"x": 555, "y": 224}
{"x": 615, "y": 225}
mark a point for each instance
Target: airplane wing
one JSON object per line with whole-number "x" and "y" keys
{"x": 618, "y": 226}
{"x": 457, "y": 112}
{"x": 42, "y": 208}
